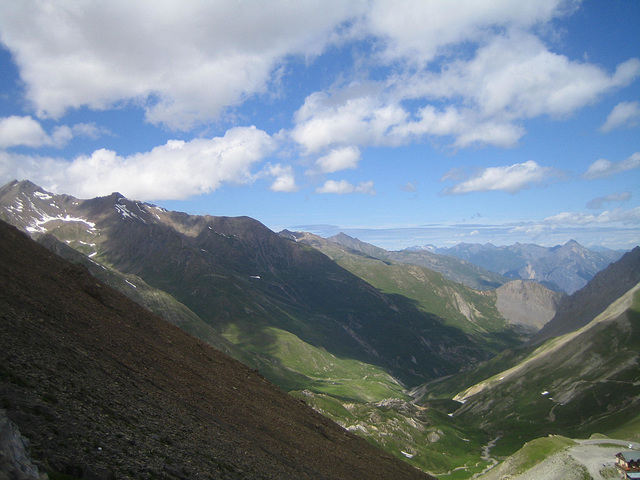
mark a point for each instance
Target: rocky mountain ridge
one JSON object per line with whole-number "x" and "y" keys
{"x": 456, "y": 269}
{"x": 577, "y": 310}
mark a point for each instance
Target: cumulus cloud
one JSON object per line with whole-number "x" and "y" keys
{"x": 606, "y": 168}
{"x": 624, "y": 114}
{"x": 515, "y": 76}
{"x": 166, "y": 172}
{"x": 510, "y": 179}
{"x": 599, "y": 202}
{"x": 284, "y": 178}
{"x": 342, "y": 187}
{"x": 25, "y": 131}
{"x": 510, "y": 77}
{"x": 339, "y": 159}
{"x": 184, "y": 62}
{"x": 417, "y": 31}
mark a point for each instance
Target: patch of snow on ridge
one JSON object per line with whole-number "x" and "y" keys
{"x": 43, "y": 196}
{"x": 38, "y": 225}
{"x": 126, "y": 213}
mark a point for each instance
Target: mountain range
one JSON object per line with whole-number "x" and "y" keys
{"x": 102, "y": 388}
{"x": 426, "y": 355}
{"x": 566, "y": 267}
{"x": 265, "y": 294}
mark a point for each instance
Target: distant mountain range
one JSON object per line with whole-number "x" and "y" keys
{"x": 566, "y": 267}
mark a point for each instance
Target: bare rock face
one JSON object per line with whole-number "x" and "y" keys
{"x": 15, "y": 461}
{"x": 528, "y": 305}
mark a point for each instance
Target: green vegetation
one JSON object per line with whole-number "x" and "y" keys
{"x": 316, "y": 369}
{"x": 537, "y": 451}
{"x": 424, "y": 437}
{"x": 473, "y": 312}
{"x": 630, "y": 429}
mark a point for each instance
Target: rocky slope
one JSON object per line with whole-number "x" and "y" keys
{"x": 527, "y": 305}
{"x": 105, "y": 389}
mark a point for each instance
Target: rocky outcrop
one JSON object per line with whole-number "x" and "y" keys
{"x": 527, "y": 305}
{"x": 15, "y": 459}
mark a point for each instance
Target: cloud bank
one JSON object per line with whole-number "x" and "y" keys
{"x": 166, "y": 172}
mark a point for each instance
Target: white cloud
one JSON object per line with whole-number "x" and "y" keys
{"x": 15, "y": 131}
{"x": 618, "y": 215}
{"x": 165, "y": 172}
{"x": 606, "y": 168}
{"x": 514, "y": 76}
{"x": 417, "y": 31}
{"x": 509, "y": 78}
{"x": 284, "y": 178}
{"x": 599, "y": 202}
{"x": 342, "y": 187}
{"x": 339, "y": 159}
{"x": 349, "y": 117}
{"x": 510, "y": 179}
{"x": 624, "y": 114}
{"x": 184, "y": 62}
{"x": 25, "y": 131}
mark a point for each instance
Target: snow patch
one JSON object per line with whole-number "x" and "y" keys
{"x": 43, "y": 196}
{"x": 38, "y": 225}
{"x": 130, "y": 283}
{"x": 126, "y": 213}
{"x": 406, "y": 454}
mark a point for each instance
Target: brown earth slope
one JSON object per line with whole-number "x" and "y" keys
{"x": 104, "y": 389}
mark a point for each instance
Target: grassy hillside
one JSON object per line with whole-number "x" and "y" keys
{"x": 473, "y": 312}
{"x": 575, "y": 385}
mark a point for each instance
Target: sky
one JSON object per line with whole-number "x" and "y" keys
{"x": 399, "y": 122}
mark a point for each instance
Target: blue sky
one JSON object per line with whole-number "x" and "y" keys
{"x": 399, "y": 122}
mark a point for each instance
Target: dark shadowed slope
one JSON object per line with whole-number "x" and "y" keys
{"x": 104, "y": 389}
{"x": 579, "y": 309}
